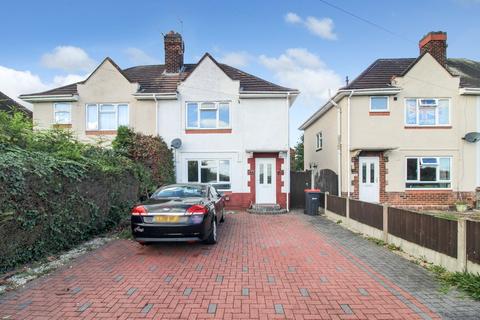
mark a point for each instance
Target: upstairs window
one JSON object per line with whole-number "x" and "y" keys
{"x": 378, "y": 104}
{"x": 62, "y": 113}
{"x": 427, "y": 112}
{"x": 319, "y": 141}
{"x": 106, "y": 116}
{"x": 216, "y": 172}
{"x": 428, "y": 172}
{"x": 208, "y": 115}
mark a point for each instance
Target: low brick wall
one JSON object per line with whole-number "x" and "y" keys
{"x": 428, "y": 199}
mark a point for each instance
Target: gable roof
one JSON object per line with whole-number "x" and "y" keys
{"x": 380, "y": 73}
{"x": 154, "y": 79}
{"x": 8, "y": 104}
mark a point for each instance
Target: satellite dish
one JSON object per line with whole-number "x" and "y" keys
{"x": 472, "y": 137}
{"x": 176, "y": 143}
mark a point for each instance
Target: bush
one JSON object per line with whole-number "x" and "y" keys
{"x": 56, "y": 192}
{"x": 151, "y": 151}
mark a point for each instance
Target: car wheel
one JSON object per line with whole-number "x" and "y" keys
{"x": 212, "y": 237}
{"x": 222, "y": 219}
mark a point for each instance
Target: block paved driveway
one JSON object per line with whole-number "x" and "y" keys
{"x": 264, "y": 267}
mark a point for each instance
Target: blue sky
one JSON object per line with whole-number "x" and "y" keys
{"x": 48, "y": 43}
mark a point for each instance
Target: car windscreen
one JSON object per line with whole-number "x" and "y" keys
{"x": 180, "y": 192}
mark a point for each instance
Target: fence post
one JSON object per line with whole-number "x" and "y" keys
{"x": 385, "y": 222}
{"x": 462, "y": 244}
{"x": 347, "y": 211}
{"x": 326, "y": 197}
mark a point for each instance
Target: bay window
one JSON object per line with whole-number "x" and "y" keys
{"x": 62, "y": 113}
{"x": 216, "y": 172}
{"x": 106, "y": 116}
{"x": 427, "y": 112}
{"x": 428, "y": 172}
{"x": 208, "y": 115}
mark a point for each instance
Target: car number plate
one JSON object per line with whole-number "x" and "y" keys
{"x": 166, "y": 219}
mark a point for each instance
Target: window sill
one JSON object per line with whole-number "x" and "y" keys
{"x": 379, "y": 113}
{"x": 428, "y": 190}
{"x": 428, "y": 127}
{"x": 207, "y": 131}
{"x": 62, "y": 125}
{"x": 100, "y": 132}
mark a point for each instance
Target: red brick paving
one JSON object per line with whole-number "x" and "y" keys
{"x": 286, "y": 265}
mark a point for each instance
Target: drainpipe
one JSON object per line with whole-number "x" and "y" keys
{"x": 339, "y": 146}
{"x": 349, "y": 170}
{"x": 287, "y": 161}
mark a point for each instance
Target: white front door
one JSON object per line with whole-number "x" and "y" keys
{"x": 369, "y": 187}
{"x": 265, "y": 186}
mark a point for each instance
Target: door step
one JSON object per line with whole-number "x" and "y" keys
{"x": 266, "y": 209}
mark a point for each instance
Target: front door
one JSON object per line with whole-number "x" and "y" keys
{"x": 265, "y": 186}
{"x": 369, "y": 189}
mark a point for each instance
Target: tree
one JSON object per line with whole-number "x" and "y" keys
{"x": 298, "y": 160}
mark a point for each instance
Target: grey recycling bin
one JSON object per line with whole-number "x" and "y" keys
{"x": 312, "y": 201}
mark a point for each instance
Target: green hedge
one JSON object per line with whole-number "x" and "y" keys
{"x": 56, "y": 192}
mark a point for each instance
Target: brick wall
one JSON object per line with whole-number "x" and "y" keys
{"x": 240, "y": 201}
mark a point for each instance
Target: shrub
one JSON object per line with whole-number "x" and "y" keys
{"x": 151, "y": 151}
{"x": 56, "y": 191}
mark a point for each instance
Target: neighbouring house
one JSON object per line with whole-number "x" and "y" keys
{"x": 9, "y": 105}
{"x": 396, "y": 134}
{"x": 233, "y": 126}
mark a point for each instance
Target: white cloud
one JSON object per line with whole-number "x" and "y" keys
{"x": 320, "y": 27}
{"x": 59, "y": 81}
{"x": 301, "y": 69}
{"x": 292, "y": 18}
{"x": 139, "y": 57}
{"x": 68, "y": 58}
{"x": 238, "y": 59}
{"x": 16, "y": 82}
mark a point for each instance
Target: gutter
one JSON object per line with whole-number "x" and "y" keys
{"x": 156, "y": 96}
{"x": 469, "y": 91}
{"x": 343, "y": 93}
{"x": 46, "y": 98}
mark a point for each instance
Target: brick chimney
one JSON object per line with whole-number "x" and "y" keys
{"x": 435, "y": 43}
{"x": 173, "y": 52}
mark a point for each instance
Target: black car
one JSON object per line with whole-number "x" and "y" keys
{"x": 179, "y": 212}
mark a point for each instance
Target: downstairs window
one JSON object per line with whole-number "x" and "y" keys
{"x": 429, "y": 173}
{"x": 215, "y": 172}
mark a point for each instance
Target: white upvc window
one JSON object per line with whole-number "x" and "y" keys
{"x": 62, "y": 113}
{"x": 214, "y": 171}
{"x": 319, "y": 141}
{"x": 208, "y": 115}
{"x": 428, "y": 172}
{"x": 428, "y": 112}
{"x": 106, "y": 116}
{"x": 379, "y": 104}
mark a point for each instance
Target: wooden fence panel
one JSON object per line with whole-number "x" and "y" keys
{"x": 337, "y": 205}
{"x": 473, "y": 241}
{"x": 425, "y": 230}
{"x": 367, "y": 213}
{"x": 299, "y": 181}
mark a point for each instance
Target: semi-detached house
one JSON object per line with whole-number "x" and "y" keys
{"x": 397, "y": 133}
{"x": 233, "y": 126}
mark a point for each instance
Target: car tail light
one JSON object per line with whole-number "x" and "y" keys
{"x": 197, "y": 209}
{"x": 139, "y": 211}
